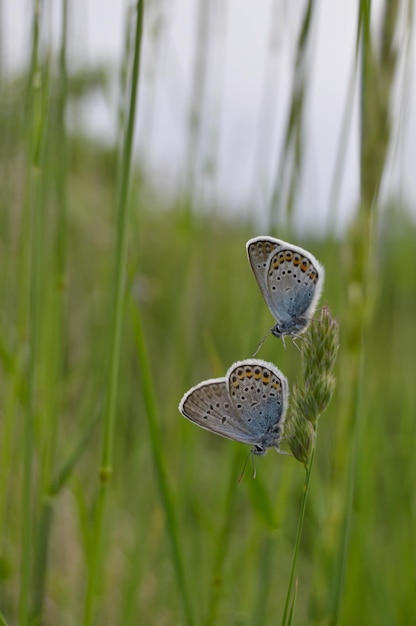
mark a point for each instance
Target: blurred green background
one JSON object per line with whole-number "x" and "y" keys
{"x": 180, "y": 541}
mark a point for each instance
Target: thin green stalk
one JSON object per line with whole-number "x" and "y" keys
{"x": 269, "y": 102}
{"x": 308, "y": 469}
{"x": 290, "y": 160}
{"x": 2, "y": 620}
{"x": 47, "y": 511}
{"x": 292, "y": 606}
{"x": 376, "y": 82}
{"x": 120, "y": 258}
{"x": 340, "y": 572}
{"x": 117, "y": 323}
{"x": 199, "y": 88}
{"x": 62, "y": 165}
{"x": 35, "y": 253}
{"x": 222, "y": 543}
{"x": 159, "y": 462}
{"x": 56, "y": 345}
{"x": 62, "y": 475}
{"x": 11, "y": 402}
{"x": 124, "y": 76}
{"x": 345, "y": 135}
{"x": 263, "y": 583}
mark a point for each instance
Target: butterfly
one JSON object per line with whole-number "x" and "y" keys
{"x": 247, "y": 405}
{"x": 290, "y": 279}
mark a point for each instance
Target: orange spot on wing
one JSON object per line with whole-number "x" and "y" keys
{"x": 304, "y": 265}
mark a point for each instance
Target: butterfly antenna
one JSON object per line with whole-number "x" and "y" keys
{"x": 244, "y": 468}
{"x": 254, "y": 466}
{"x": 261, "y": 342}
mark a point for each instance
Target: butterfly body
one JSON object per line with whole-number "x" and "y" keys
{"x": 290, "y": 279}
{"x": 247, "y": 405}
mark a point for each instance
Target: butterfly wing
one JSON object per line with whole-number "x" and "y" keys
{"x": 289, "y": 277}
{"x": 295, "y": 281}
{"x": 259, "y": 251}
{"x": 209, "y": 405}
{"x": 258, "y": 390}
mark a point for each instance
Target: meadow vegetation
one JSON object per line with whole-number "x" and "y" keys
{"x": 114, "y": 510}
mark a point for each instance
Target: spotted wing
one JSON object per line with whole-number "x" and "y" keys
{"x": 259, "y": 393}
{"x": 259, "y": 252}
{"x": 209, "y": 405}
{"x": 294, "y": 280}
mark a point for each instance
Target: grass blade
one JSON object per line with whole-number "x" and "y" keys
{"x": 117, "y": 321}
{"x": 297, "y": 542}
{"x": 159, "y": 462}
{"x": 35, "y": 236}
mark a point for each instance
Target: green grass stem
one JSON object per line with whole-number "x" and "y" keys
{"x": 376, "y": 80}
{"x": 293, "y": 605}
{"x": 166, "y": 496}
{"x": 2, "y": 620}
{"x": 199, "y": 88}
{"x": 345, "y": 537}
{"x": 286, "y": 618}
{"x": 222, "y": 543}
{"x": 35, "y": 212}
{"x": 55, "y": 351}
{"x": 281, "y": 209}
{"x": 116, "y": 323}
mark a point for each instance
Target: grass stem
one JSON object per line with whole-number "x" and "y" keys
{"x": 117, "y": 322}
{"x": 35, "y": 213}
{"x": 159, "y": 463}
{"x": 308, "y": 470}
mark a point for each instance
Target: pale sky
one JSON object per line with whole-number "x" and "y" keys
{"x": 245, "y": 104}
